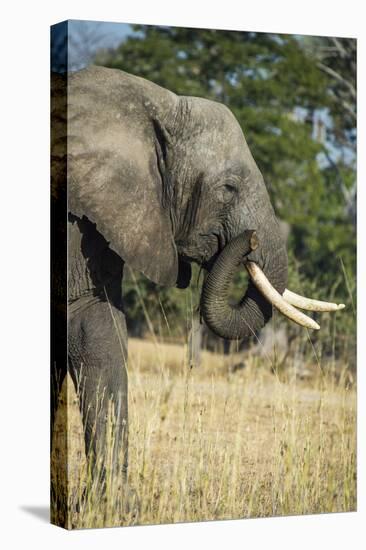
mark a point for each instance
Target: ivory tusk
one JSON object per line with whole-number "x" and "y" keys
{"x": 275, "y": 298}
{"x": 308, "y": 303}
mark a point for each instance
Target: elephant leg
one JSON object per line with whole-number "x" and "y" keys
{"x": 97, "y": 356}
{"x": 58, "y": 358}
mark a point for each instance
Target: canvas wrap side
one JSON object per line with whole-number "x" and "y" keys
{"x": 58, "y": 207}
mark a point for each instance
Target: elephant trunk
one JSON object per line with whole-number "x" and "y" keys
{"x": 254, "y": 310}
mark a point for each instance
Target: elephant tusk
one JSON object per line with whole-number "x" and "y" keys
{"x": 308, "y": 303}
{"x": 275, "y": 298}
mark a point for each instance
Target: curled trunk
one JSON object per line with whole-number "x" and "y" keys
{"x": 253, "y": 311}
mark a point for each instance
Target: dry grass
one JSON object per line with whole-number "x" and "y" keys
{"x": 208, "y": 443}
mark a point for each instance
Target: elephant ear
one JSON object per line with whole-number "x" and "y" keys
{"x": 130, "y": 217}
{"x": 114, "y": 179}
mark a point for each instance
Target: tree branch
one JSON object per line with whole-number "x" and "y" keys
{"x": 339, "y": 78}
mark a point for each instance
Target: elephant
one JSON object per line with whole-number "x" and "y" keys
{"x": 145, "y": 177}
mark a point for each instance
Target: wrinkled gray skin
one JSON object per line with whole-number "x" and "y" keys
{"x": 156, "y": 181}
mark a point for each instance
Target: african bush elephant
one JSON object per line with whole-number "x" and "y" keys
{"x": 156, "y": 181}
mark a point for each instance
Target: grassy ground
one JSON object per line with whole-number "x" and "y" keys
{"x": 213, "y": 442}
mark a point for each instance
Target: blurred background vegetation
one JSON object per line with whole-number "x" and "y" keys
{"x": 295, "y": 99}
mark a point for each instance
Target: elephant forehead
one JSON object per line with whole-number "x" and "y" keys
{"x": 215, "y": 118}
{"x": 218, "y": 151}
{"x": 217, "y": 140}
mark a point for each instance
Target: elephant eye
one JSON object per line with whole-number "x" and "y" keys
{"x": 228, "y": 192}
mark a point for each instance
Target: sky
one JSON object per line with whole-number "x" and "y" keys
{"x": 84, "y": 39}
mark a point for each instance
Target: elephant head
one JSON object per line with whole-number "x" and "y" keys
{"x": 169, "y": 180}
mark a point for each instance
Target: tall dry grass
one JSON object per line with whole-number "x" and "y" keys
{"x": 212, "y": 442}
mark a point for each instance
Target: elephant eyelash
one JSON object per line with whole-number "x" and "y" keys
{"x": 228, "y": 193}
{"x": 231, "y": 188}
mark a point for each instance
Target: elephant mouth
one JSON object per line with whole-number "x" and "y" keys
{"x": 206, "y": 253}
{"x": 208, "y": 264}
{"x": 264, "y": 292}
{"x": 214, "y": 242}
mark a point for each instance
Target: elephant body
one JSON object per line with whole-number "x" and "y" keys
{"x": 97, "y": 335}
{"x": 156, "y": 181}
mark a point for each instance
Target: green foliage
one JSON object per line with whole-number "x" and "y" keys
{"x": 274, "y": 84}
